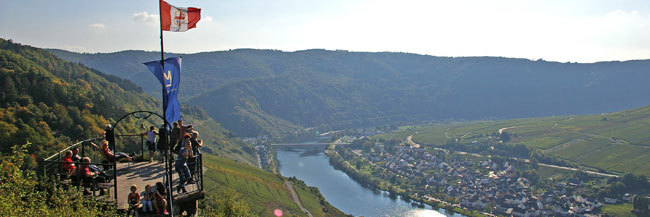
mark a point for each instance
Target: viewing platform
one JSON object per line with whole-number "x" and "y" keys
{"x": 127, "y": 174}
{"x": 104, "y": 174}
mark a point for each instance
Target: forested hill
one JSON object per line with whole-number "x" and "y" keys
{"x": 255, "y": 92}
{"x": 51, "y": 103}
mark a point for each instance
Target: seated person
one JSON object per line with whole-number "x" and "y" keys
{"x": 134, "y": 200}
{"x": 84, "y": 168}
{"x": 67, "y": 165}
{"x": 108, "y": 154}
{"x": 147, "y": 199}
{"x": 85, "y": 174}
{"x": 75, "y": 154}
{"x": 159, "y": 202}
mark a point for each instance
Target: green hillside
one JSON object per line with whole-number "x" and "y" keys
{"x": 270, "y": 92}
{"x": 51, "y": 102}
{"x": 216, "y": 139}
{"x": 617, "y": 142}
{"x": 262, "y": 190}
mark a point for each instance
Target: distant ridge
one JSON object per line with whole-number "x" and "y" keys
{"x": 268, "y": 92}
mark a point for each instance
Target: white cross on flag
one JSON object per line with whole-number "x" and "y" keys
{"x": 175, "y": 19}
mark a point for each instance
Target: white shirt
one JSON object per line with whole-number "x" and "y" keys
{"x": 151, "y": 136}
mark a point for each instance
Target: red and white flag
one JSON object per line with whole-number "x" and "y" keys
{"x": 175, "y": 19}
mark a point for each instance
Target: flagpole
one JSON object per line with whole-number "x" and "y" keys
{"x": 168, "y": 162}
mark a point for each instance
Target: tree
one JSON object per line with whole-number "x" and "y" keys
{"x": 533, "y": 163}
{"x": 505, "y": 136}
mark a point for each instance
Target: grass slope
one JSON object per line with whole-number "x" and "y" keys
{"x": 618, "y": 141}
{"x": 619, "y": 210}
{"x": 263, "y": 191}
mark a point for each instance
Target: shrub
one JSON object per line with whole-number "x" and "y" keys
{"x": 21, "y": 194}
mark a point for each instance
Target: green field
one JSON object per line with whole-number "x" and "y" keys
{"x": 619, "y": 210}
{"x": 263, "y": 191}
{"x": 617, "y": 142}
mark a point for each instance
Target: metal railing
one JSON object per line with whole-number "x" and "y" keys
{"x": 54, "y": 167}
{"x": 135, "y": 135}
{"x": 195, "y": 165}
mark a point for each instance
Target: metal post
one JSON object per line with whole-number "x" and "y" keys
{"x": 142, "y": 145}
{"x": 44, "y": 168}
{"x": 115, "y": 170}
{"x": 83, "y": 153}
{"x": 162, "y": 63}
{"x": 201, "y": 169}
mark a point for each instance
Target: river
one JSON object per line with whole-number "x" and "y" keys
{"x": 342, "y": 191}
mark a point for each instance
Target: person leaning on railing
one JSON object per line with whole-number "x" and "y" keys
{"x": 175, "y": 136}
{"x": 163, "y": 143}
{"x": 181, "y": 164}
{"x": 196, "y": 145}
{"x": 182, "y": 132}
{"x": 151, "y": 142}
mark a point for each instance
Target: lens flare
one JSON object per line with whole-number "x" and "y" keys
{"x": 277, "y": 212}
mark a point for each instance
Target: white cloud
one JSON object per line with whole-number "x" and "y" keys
{"x": 207, "y": 19}
{"x": 621, "y": 14}
{"x": 97, "y": 26}
{"x": 145, "y": 17}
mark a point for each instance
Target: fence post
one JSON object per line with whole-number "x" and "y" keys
{"x": 44, "y": 168}
{"x": 77, "y": 173}
{"x": 142, "y": 145}
{"x": 201, "y": 170}
{"x": 115, "y": 174}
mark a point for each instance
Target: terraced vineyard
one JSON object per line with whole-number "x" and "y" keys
{"x": 617, "y": 142}
{"x": 263, "y": 191}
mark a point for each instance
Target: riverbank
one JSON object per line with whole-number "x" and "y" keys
{"x": 366, "y": 180}
{"x": 343, "y": 192}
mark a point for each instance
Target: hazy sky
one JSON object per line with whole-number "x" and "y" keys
{"x": 564, "y": 30}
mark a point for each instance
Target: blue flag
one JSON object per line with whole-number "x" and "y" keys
{"x": 171, "y": 80}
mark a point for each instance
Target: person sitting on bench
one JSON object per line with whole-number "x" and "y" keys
{"x": 134, "y": 201}
{"x": 75, "y": 154}
{"x": 67, "y": 165}
{"x": 86, "y": 176}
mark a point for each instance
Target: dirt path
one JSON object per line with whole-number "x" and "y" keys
{"x": 506, "y": 128}
{"x": 409, "y": 139}
{"x": 294, "y": 196}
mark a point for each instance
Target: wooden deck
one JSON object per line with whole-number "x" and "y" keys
{"x": 140, "y": 174}
{"x": 145, "y": 173}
